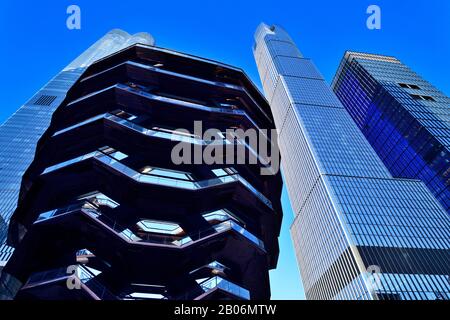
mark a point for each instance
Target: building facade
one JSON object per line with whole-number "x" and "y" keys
{"x": 358, "y": 232}
{"x": 104, "y": 211}
{"x": 19, "y": 134}
{"x": 404, "y": 117}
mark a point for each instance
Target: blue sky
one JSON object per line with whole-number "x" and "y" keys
{"x": 36, "y": 45}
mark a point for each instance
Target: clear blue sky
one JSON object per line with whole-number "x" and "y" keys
{"x": 36, "y": 45}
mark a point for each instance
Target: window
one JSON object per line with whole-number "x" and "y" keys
{"x": 389, "y": 296}
{"x": 409, "y": 86}
{"x": 44, "y": 100}
{"x": 420, "y": 97}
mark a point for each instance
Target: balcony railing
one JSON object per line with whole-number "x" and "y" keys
{"x": 177, "y": 182}
{"x": 172, "y": 136}
{"x": 160, "y": 179}
{"x": 221, "y": 284}
{"x": 91, "y": 209}
{"x": 169, "y": 100}
{"x": 83, "y": 274}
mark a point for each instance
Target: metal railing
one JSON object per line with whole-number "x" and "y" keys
{"x": 217, "y": 283}
{"x": 174, "y": 136}
{"x": 178, "y": 182}
{"x": 83, "y": 275}
{"x": 90, "y": 207}
{"x": 129, "y": 235}
{"x": 160, "y": 179}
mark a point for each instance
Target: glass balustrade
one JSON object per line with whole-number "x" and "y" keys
{"x": 98, "y": 198}
{"x": 90, "y": 120}
{"x": 112, "y": 160}
{"x": 83, "y": 274}
{"x": 197, "y": 106}
{"x": 91, "y": 203}
{"x": 182, "y": 75}
{"x": 129, "y": 235}
{"x": 222, "y": 215}
{"x": 141, "y": 92}
{"x": 91, "y": 209}
{"x": 90, "y": 95}
{"x": 148, "y": 95}
{"x": 87, "y": 277}
{"x": 160, "y": 227}
{"x": 217, "y": 266}
{"x": 61, "y": 211}
{"x": 177, "y": 182}
{"x": 173, "y": 136}
{"x": 144, "y": 296}
{"x": 71, "y": 161}
{"x": 225, "y": 285}
{"x": 180, "y": 102}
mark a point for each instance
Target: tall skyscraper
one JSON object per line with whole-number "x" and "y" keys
{"x": 404, "y": 117}
{"x": 358, "y": 232}
{"x": 20, "y": 133}
{"x": 104, "y": 208}
{"x": 3, "y": 229}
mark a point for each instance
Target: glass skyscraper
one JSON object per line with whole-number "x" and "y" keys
{"x": 358, "y": 233}
{"x": 20, "y": 133}
{"x": 404, "y": 117}
{"x": 3, "y": 226}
